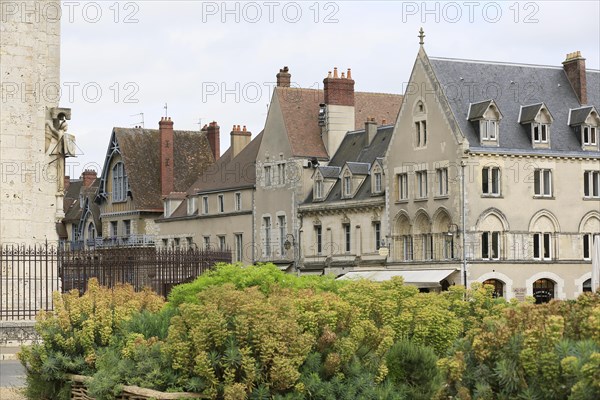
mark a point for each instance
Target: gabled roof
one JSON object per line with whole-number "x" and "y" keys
{"x": 329, "y": 172}
{"x": 352, "y": 151}
{"x": 225, "y": 174}
{"x": 358, "y": 168}
{"x": 140, "y": 150}
{"x": 529, "y": 84}
{"x": 579, "y": 115}
{"x": 300, "y": 109}
{"x": 528, "y": 113}
{"x": 73, "y": 207}
{"x": 477, "y": 110}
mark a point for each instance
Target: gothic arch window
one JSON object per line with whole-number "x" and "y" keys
{"x": 119, "y": 182}
{"x": 587, "y": 286}
{"x": 543, "y": 290}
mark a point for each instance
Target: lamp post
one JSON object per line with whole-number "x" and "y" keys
{"x": 290, "y": 241}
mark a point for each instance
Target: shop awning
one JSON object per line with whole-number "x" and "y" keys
{"x": 423, "y": 278}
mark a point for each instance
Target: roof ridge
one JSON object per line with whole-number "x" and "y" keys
{"x": 514, "y": 64}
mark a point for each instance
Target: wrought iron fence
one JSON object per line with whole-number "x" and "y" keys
{"x": 29, "y": 275}
{"x": 159, "y": 269}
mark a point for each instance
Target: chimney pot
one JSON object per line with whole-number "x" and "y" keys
{"x": 343, "y": 75}
{"x": 244, "y": 129}
{"x": 284, "y": 78}
{"x": 349, "y": 75}
{"x": 335, "y": 73}
{"x": 329, "y": 74}
{"x": 88, "y": 176}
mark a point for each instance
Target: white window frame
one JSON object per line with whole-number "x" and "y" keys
{"x": 539, "y": 175}
{"x": 377, "y": 181}
{"x": 493, "y": 176}
{"x": 489, "y": 246}
{"x": 489, "y": 129}
{"x": 403, "y": 186}
{"x": 221, "y": 203}
{"x": 119, "y": 182}
{"x": 347, "y": 185}
{"x": 318, "y": 188}
{"x": 239, "y": 247}
{"x": 267, "y": 231}
{"x": 542, "y": 133}
{"x": 539, "y": 237}
{"x": 237, "y": 200}
{"x": 591, "y": 137}
{"x": 205, "y": 205}
{"x": 591, "y": 182}
{"x": 191, "y": 205}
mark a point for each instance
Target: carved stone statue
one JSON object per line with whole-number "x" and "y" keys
{"x": 63, "y": 143}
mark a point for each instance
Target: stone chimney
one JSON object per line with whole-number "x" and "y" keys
{"x": 167, "y": 173}
{"x": 370, "y": 131}
{"x": 284, "y": 78}
{"x": 574, "y": 67}
{"x": 88, "y": 176}
{"x": 339, "y": 91}
{"x": 339, "y": 109}
{"x": 212, "y": 133}
{"x": 240, "y": 138}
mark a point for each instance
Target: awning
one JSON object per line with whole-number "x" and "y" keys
{"x": 423, "y": 278}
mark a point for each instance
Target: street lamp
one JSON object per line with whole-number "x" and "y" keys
{"x": 290, "y": 241}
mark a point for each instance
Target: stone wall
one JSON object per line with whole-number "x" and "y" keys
{"x": 30, "y": 86}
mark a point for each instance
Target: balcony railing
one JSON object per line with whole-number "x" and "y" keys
{"x": 112, "y": 241}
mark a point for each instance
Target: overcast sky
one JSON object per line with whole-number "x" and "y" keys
{"x": 218, "y": 61}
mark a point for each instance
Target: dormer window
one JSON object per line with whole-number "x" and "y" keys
{"x": 589, "y": 135}
{"x": 319, "y": 188}
{"x": 537, "y": 119}
{"x": 377, "y": 183}
{"x": 586, "y": 125}
{"x": 486, "y": 117}
{"x": 347, "y": 185}
{"x": 377, "y": 178}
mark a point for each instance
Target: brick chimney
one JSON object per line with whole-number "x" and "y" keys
{"x": 339, "y": 90}
{"x": 88, "y": 176}
{"x": 284, "y": 78}
{"x": 212, "y": 133}
{"x": 574, "y": 67}
{"x": 339, "y": 109}
{"x": 240, "y": 138}
{"x": 370, "y": 131}
{"x": 167, "y": 173}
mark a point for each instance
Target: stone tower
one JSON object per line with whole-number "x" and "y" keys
{"x": 33, "y": 138}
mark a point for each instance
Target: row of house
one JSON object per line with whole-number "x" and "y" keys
{"x": 479, "y": 172}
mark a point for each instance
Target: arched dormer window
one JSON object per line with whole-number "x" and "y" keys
{"x": 376, "y": 179}
{"x": 420, "y": 121}
{"x": 119, "y": 182}
{"x": 486, "y": 118}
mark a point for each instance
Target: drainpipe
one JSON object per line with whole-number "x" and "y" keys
{"x": 253, "y": 225}
{"x": 464, "y": 223}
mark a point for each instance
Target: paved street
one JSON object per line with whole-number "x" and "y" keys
{"x": 12, "y": 373}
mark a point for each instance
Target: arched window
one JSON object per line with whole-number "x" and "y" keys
{"x": 91, "y": 231}
{"x": 119, "y": 187}
{"x": 587, "y": 285}
{"x": 543, "y": 291}
{"x": 498, "y": 287}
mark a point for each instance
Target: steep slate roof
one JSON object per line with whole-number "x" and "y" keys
{"x": 478, "y": 109}
{"x": 330, "y": 172}
{"x": 531, "y": 84}
{"x": 300, "y": 109}
{"x": 359, "y": 168}
{"x": 578, "y": 116}
{"x": 140, "y": 149}
{"x": 528, "y": 113}
{"x": 72, "y": 207}
{"x": 226, "y": 174}
{"x": 352, "y": 150}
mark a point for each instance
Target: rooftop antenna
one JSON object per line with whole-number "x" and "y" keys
{"x": 166, "y": 110}
{"x": 142, "y": 122}
{"x": 199, "y": 123}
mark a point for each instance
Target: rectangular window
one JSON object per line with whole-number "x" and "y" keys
{"x": 267, "y": 227}
{"x": 206, "y": 242}
{"x": 427, "y": 246}
{"x": 418, "y": 133}
{"x": 591, "y": 184}
{"x": 489, "y": 129}
{"x": 113, "y": 228}
{"x": 542, "y": 249}
{"x": 189, "y": 242}
{"x": 347, "y": 238}
{"x": 377, "y": 182}
{"x": 165, "y": 242}
{"x": 239, "y": 247}
{"x": 587, "y": 245}
{"x": 540, "y": 133}
{"x": 176, "y": 242}
{"x": 191, "y": 205}
{"x": 490, "y": 181}
{"x": 402, "y": 186}
{"x": 449, "y": 247}
{"x": 421, "y": 178}
{"x": 407, "y": 248}
{"x": 167, "y": 208}
{"x": 319, "y": 235}
{"x": 318, "y": 189}
{"x": 347, "y": 186}
{"x": 222, "y": 243}
{"x": 205, "y": 205}
{"x": 490, "y": 245}
{"x": 221, "y": 203}
{"x": 282, "y": 233}
{"x": 421, "y": 133}
{"x": 377, "y": 227}
{"x": 281, "y": 174}
{"x": 127, "y": 227}
{"x": 593, "y": 135}
{"x": 268, "y": 175}
{"x": 542, "y": 182}
{"x": 586, "y": 135}
{"x": 238, "y": 201}
{"x": 442, "y": 181}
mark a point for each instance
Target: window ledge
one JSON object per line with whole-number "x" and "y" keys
{"x": 492, "y": 196}
{"x": 421, "y": 199}
{"x": 538, "y": 197}
{"x": 591, "y": 198}
{"x": 403, "y": 201}
{"x": 442, "y": 197}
